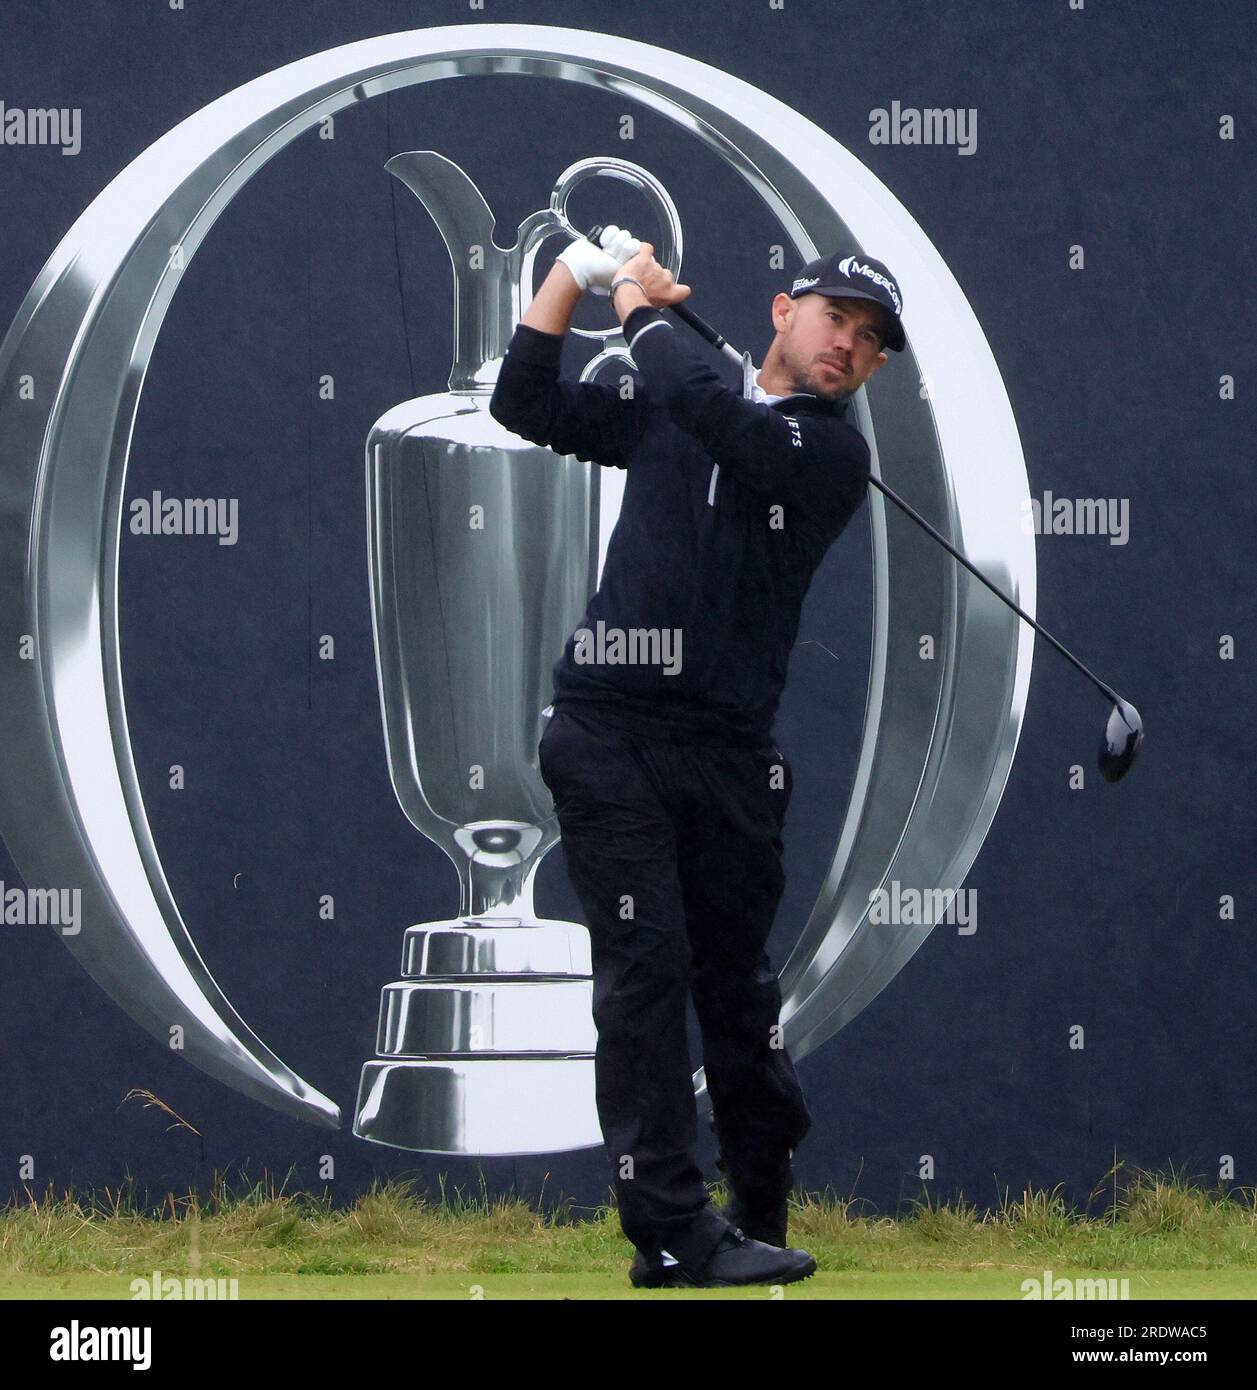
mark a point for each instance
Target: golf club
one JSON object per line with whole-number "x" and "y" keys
{"x": 1124, "y": 731}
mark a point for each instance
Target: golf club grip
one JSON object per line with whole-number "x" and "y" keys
{"x": 699, "y": 325}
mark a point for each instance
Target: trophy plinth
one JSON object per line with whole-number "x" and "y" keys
{"x": 478, "y": 1105}
{"x": 486, "y": 1043}
{"x": 497, "y": 946}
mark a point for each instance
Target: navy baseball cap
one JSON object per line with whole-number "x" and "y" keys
{"x": 855, "y": 277}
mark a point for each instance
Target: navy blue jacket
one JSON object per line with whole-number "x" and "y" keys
{"x": 729, "y": 506}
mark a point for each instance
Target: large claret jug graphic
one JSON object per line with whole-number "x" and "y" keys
{"x": 483, "y": 553}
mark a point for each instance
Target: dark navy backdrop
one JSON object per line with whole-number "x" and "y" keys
{"x": 1097, "y": 907}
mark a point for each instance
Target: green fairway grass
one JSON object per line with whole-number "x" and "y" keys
{"x": 864, "y": 1284}
{"x": 1168, "y": 1238}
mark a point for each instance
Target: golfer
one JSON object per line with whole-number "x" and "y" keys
{"x": 670, "y": 791}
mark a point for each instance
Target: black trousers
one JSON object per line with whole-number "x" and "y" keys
{"x": 675, "y": 853}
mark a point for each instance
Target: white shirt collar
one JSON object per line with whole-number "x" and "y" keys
{"x": 758, "y": 392}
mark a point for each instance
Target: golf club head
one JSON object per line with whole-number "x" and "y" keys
{"x": 1122, "y": 737}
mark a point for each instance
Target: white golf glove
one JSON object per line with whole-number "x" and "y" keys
{"x": 594, "y": 268}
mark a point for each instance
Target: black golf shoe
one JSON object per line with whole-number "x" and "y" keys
{"x": 736, "y": 1260}
{"x": 652, "y": 1271}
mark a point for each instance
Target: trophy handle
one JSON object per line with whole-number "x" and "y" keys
{"x": 539, "y": 225}
{"x": 482, "y": 298}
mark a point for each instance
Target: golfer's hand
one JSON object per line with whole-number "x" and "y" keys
{"x": 660, "y": 286}
{"x": 592, "y": 267}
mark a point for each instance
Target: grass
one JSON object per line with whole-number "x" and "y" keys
{"x": 392, "y": 1243}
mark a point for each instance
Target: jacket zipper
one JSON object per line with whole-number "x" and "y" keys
{"x": 711, "y": 490}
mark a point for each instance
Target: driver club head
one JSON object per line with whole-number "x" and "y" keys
{"x": 1123, "y": 736}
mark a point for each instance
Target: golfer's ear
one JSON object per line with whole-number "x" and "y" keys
{"x": 781, "y": 307}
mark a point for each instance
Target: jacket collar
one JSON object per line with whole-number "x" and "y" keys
{"x": 796, "y": 399}
{"x": 818, "y": 406}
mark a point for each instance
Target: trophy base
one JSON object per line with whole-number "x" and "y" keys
{"x": 486, "y": 1015}
{"x": 497, "y": 946}
{"x": 492, "y": 1106}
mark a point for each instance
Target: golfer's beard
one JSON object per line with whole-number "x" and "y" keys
{"x": 810, "y": 379}
{"x": 841, "y": 393}
{"x": 819, "y": 387}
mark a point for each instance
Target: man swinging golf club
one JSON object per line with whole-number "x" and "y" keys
{"x": 670, "y": 792}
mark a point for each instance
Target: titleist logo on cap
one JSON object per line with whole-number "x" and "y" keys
{"x": 851, "y": 265}
{"x": 803, "y": 284}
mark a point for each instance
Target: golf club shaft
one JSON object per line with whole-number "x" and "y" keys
{"x": 977, "y": 573}
{"x": 705, "y": 330}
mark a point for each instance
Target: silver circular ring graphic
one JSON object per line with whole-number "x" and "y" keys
{"x": 939, "y": 735}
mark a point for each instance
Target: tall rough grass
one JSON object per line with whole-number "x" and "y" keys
{"x": 1152, "y": 1220}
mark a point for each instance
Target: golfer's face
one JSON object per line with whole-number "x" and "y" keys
{"x": 834, "y": 344}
